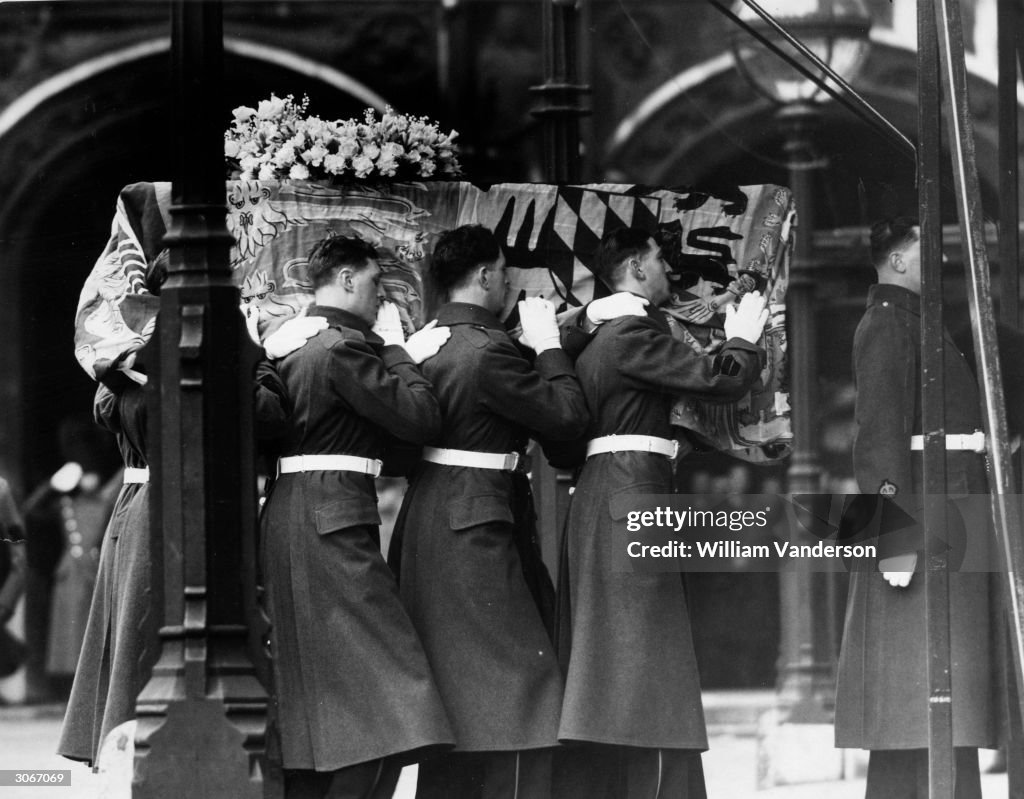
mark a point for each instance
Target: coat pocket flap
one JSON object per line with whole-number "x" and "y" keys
{"x": 348, "y": 512}
{"x": 629, "y": 498}
{"x": 473, "y": 511}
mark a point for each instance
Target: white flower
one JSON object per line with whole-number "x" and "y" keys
{"x": 334, "y": 164}
{"x": 243, "y": 114}
{"x": 270, "y": 109}
{"x": 426, "y": 169}
{"x": 348, "y": 147}
{"x": 298, "y": 172}
{"x": 285, "y": 156}
{"x": 266, "y": 172}
{"x": 371, "y": 150}
{"x": 315, "y": 154}
{"x": 362, "y": 165}
{"x": 231, "y": 148}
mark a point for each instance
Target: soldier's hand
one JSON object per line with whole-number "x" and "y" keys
{"x": 746, "y": 319}
{"x": 622, "y": 303}
{"x": 389, "y": 324}
{"x": 427, "y": 342}
{"x": 293, "y": 334}
{"x": 540, "y": 327}
{"x": 898, "y": 569}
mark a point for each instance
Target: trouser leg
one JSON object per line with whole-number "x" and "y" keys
{"x": 584, "y": 771}
{"x": 598, "y": 771}
{"x": 662, "y": 774}
{"x": 903, "y": 774}
{"x": 458, "y": 774}
{"x": 517, "y": 775}
{"x": 375, "y": 779}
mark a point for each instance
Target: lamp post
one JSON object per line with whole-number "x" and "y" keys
{"x": 837, "y": 32}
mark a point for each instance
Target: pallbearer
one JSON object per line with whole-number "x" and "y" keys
{"x": 462, "y": 575}
{"x": 354, "y": 698}
{"x": 632, "y": 712}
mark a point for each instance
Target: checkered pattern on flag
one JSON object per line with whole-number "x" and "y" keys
{"x": 718, "y": 246}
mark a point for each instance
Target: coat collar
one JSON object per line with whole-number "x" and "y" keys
{"x": 882, "y": 293}
{"x": 337, "y": 317}
{"x": 465, "y": 313}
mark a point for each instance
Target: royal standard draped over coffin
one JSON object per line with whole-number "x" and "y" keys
{"x": 719, "y": 245}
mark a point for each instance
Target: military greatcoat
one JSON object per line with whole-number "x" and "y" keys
{"x": 461, "y": 571}
{"x": 121, "y": 642}
{"x": 882, "y": 685}
{"x": 351, "y": 682}
{"x": 625, "y": 637}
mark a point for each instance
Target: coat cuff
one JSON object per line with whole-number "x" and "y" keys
{"x": 554, "y": 363}
{"x": 393, "y": 355}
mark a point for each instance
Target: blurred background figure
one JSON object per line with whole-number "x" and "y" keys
{"x": 65, "y": 517}
{"x": 12, "y": 580}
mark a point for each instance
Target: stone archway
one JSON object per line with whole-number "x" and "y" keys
{"x": 66, "y": 147}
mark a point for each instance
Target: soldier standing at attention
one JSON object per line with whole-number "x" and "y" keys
{"x": 882, "y": 681}
{"x": 354, "y": 698}
{"x": 632, "y": 712}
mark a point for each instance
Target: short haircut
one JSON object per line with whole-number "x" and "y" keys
{"x": 459, "y": 252}
{"x": 335, "y": 252}
{"x": 893, "y": 233}
{"x": 618, "y": 246}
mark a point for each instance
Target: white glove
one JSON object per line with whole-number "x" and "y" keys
{"x": 622, "y": 303}
{"x": 746, "y": 319}
{"x": 389, "y": 324}
{"x": 898, "y": 569}
{"x": 540, "y": 328}
{"x": 292, "y": 335}
{"x": 427, "y": 341}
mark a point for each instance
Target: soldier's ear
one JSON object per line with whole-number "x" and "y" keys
{"x": 345, "y": 278}
{"x": 483, "y": 276}
{"x": 896, "y": 261}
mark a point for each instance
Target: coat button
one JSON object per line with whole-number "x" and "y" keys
{"x": 76, "y": 551}
{"x": 75, "y": 538}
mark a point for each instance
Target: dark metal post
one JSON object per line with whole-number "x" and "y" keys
{"x": 559, "y": 96}
{"x": 202, "y": 716}
{"x": 1006, "y": 511}
{"x": 806, "y": 682}
{"x": 1009, "y": 211}
{"x": 929, "y": 152}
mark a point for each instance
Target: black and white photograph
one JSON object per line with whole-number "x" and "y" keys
{"x": 511, "y": 399}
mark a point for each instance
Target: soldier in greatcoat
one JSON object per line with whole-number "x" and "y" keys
{"x": 354, "y": 698}
{"x": 632, "y": 709}
{"x": 882, "y": 691}
{"x": 121, "y": 643}
{"x": 466, "y": 523}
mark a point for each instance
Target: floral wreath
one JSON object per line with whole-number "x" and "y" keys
{"x": 278, "y": 140}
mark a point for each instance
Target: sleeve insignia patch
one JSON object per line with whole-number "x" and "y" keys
{"x": 887, "y": 489}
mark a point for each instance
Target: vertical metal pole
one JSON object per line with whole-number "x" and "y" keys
{"x": 559, "y": 96}
{"x": 806, "y": 685}
{"x": 1009, "y": 212}
{"x": 559, "y": 111}
{"x": 929, "y": 153}
{"x": 202, "y": 716}
{"x": 1005, "y": 509}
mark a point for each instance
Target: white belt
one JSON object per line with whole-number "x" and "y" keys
{"x": 136, "y": 474}
{"x": 328, "y": 463}
{"x": 660, "y": 446}
{"x": 972, "y": 442}
{"x": 506, "y": 462}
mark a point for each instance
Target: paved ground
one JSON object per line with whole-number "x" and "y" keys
{"x": 28, "y": 736}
